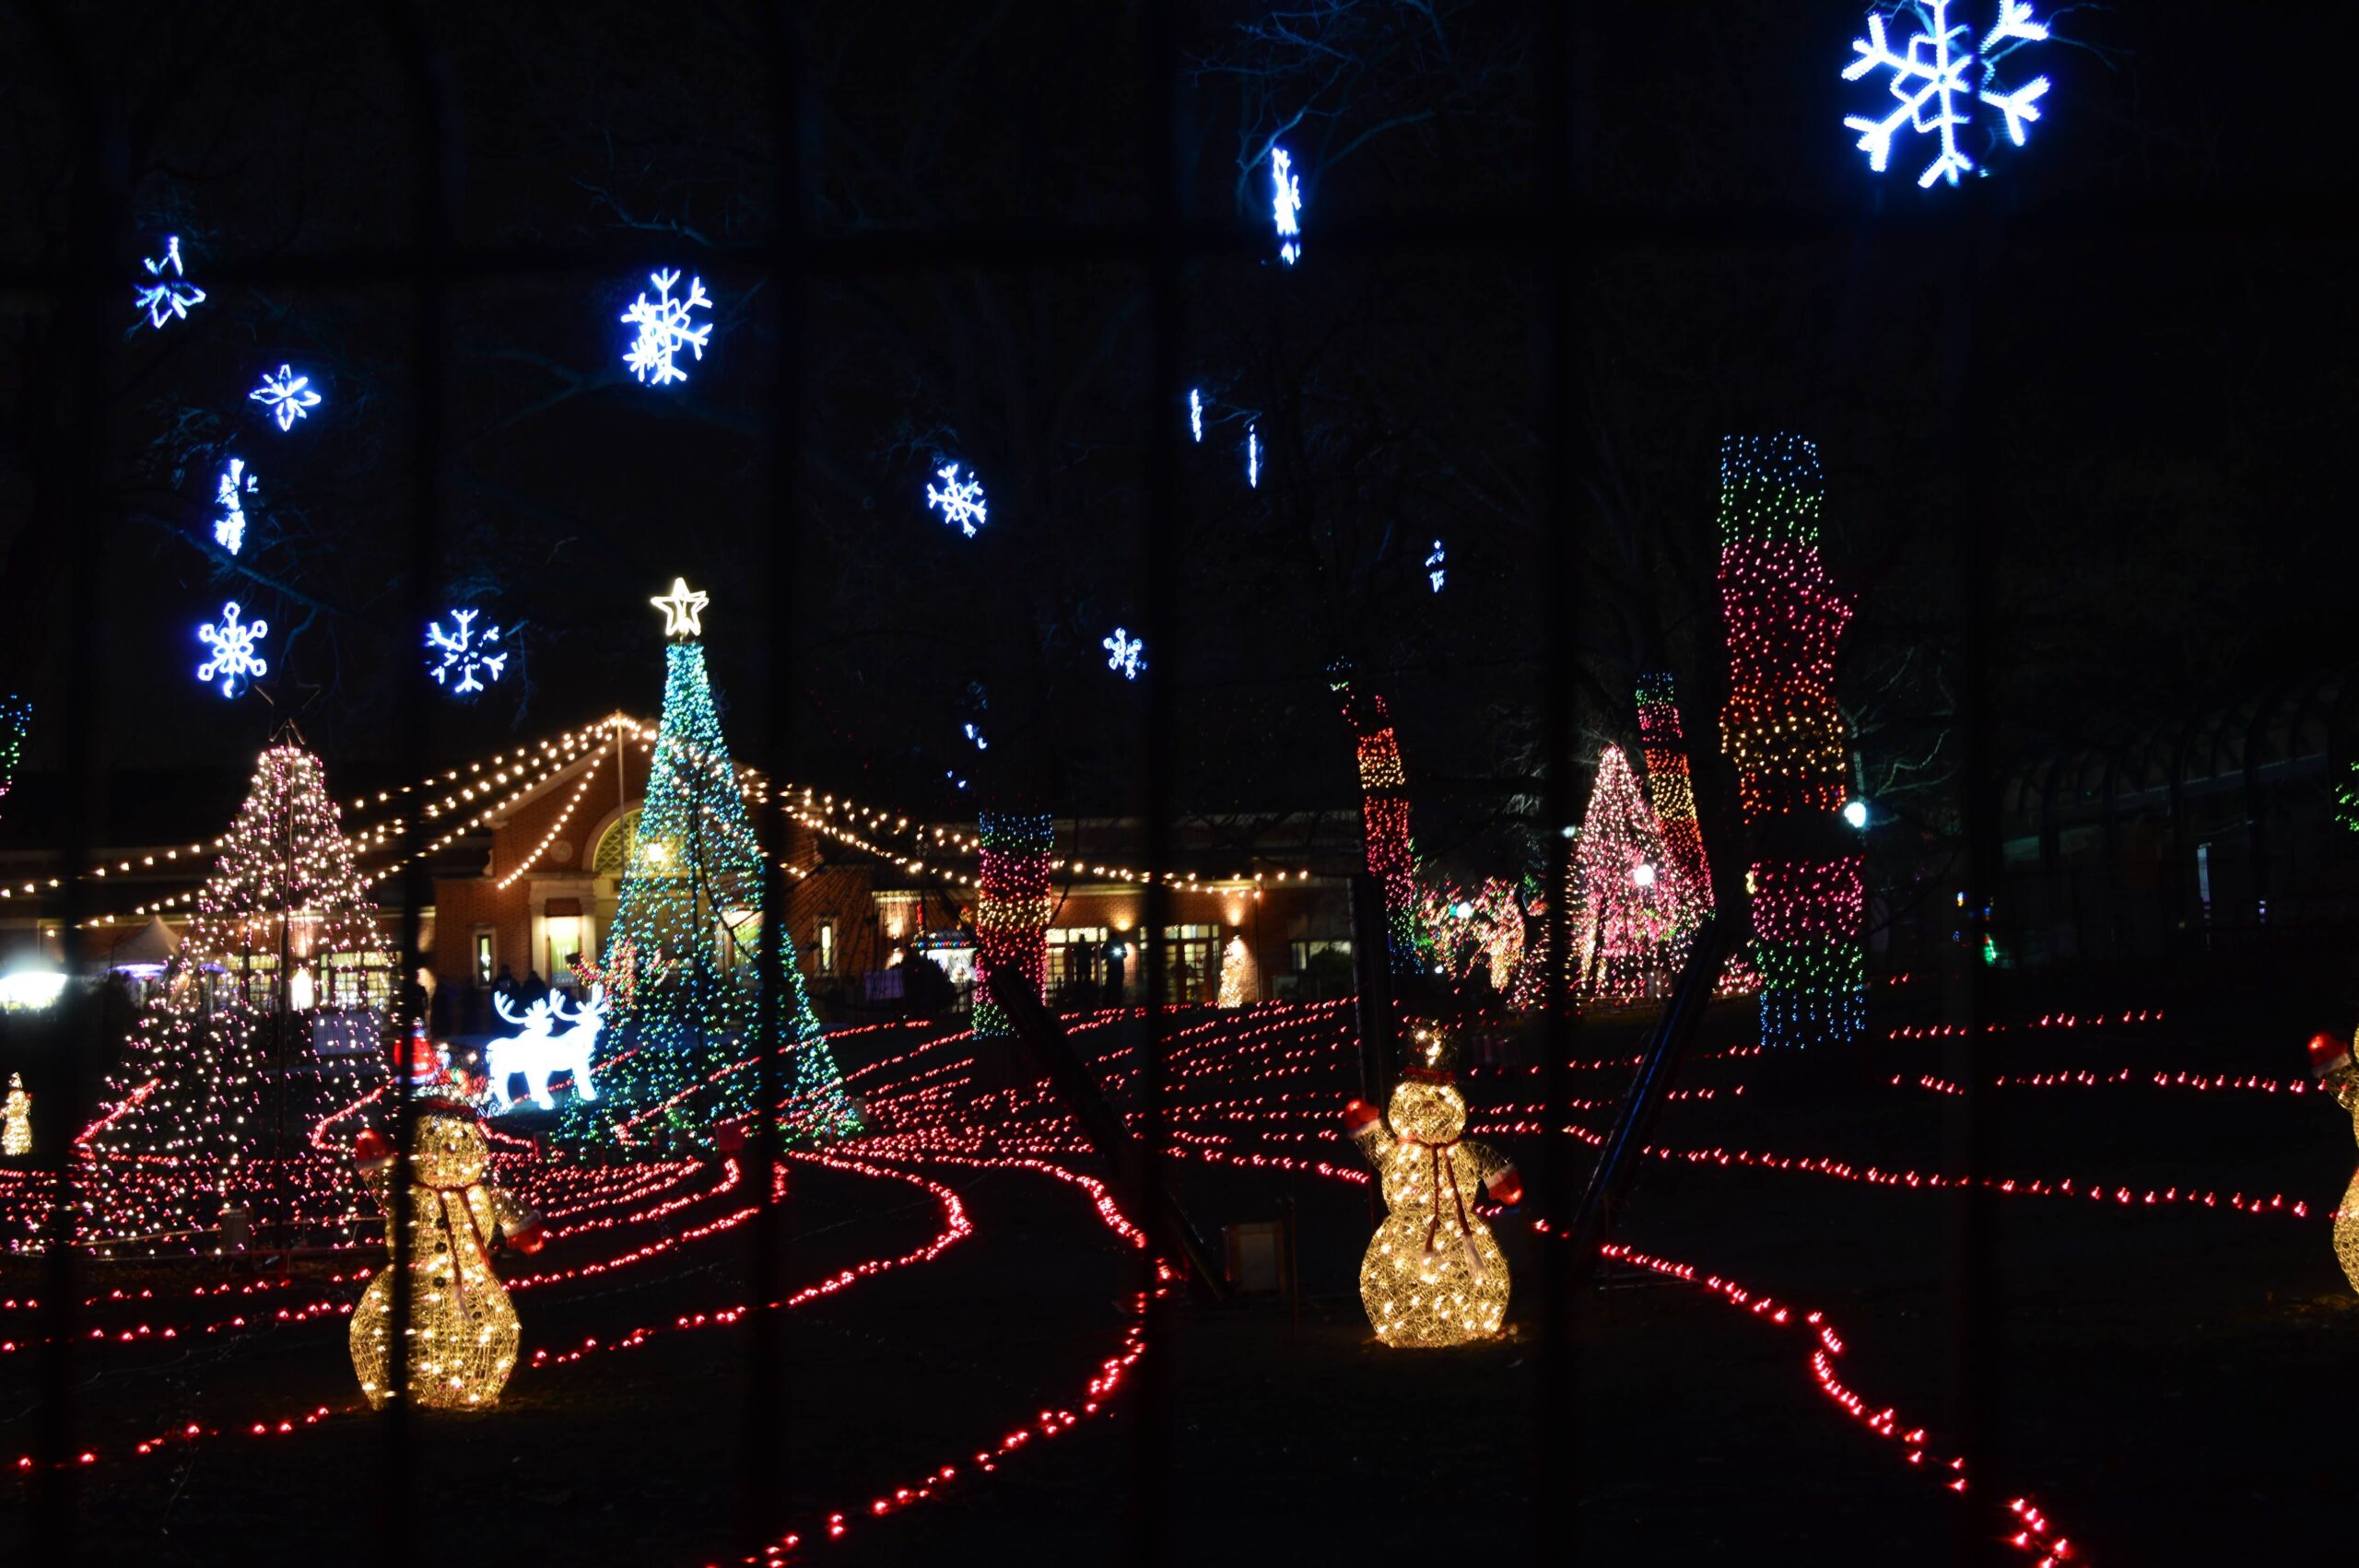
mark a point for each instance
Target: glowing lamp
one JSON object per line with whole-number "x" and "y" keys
{"x": 31, "y": 990}
{"x": 1642, "y": 875}
{"x": 1855, "y": 812}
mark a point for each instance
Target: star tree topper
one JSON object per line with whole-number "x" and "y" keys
{"x": 683, "y": 610}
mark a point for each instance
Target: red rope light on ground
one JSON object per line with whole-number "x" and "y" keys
{"x": 2032, "y": 1536}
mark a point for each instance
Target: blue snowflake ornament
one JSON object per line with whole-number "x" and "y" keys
{"x": 170, "y": 293}
{"x": 236, "y": 659}
{"x": 1939, "y": 78}
{"x": 287, "y": 396}
{"x": 664, "y": 329}
{"x": 960, "y": 501}
{"x": 464, "y": 653}
{"x": 1286, "y": 205}
{"x": 1126, "y": 655}
{"x": 235, "y": 484}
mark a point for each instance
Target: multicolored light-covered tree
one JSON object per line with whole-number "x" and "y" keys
{"x": 1384, "y": 811}
{"x": 15, "y": 718}
{"x": 1012, "y": 915}
{"x": 1485, "y": 927}
{"x": 678, "y": 1051}
{"x": 1627, "y": 929}
{"x": 220, "y": 1085}
{"x": 1785, "y": 735}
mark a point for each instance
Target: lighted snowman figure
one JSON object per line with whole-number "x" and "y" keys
{"x": 1434, "y": 1275}
{"x": 2338, "y": 1075}
{"x": 463, "y": 1333}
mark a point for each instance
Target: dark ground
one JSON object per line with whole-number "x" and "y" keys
{"x": 2172, "y": 1393}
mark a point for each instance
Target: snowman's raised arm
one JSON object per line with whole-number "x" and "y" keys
{"x": 1364, "y": 1124}
{"x": 373, "y": 1154}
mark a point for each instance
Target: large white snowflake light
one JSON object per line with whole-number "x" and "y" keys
{"x": 236, "y": 658}
{"x": 236, "y": 484}
{"x": 287, "y": 395}
{"x": 960, "y": 501}
{"x": 664, "y": 328}
{"x": 464, "y": 652}
{"x": 1126, "y": 655}
{"x": 1939, "y": 78}
{"x": 168, "y": 296}
{"x": 1286, "y": 205}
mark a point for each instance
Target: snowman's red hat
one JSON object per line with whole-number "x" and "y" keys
{"x": 2327, "y": 1053}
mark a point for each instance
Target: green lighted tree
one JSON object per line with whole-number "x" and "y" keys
{"x": 682, "y": 960}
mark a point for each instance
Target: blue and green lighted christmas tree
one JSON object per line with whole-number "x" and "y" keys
{"x": 683, "y": 955}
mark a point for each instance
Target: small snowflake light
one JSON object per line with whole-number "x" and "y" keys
{"x": 1252, "y": 458}
{"x": 960, "y": 501}
{"x": 1286, "y": 205}
{"x": 236, "y": 658}
{"x": 287, "y": 396}
{"x": 1196, "y": 413}
{"x": 1939, "y": 79}
{"x": 664, "y": 328}
{"x": 171, "y": 295}
{"x": 975, "y": 734}
{"x": 1126, "y": 655}
{"x": 464, "y": 653}
{"x": 1437, "y": 565}
{"x": 236, "y": 484}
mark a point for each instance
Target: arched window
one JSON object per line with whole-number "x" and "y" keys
{"x": 615, "y": 845}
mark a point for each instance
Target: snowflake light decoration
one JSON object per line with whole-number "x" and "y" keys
{"x": 1126, "y": 655}
{"x": 1437, "y": 565}
{"x": 236, "y": 659}
{"x": 229, "y": 528}
{"x": 287, "y": 395}
{"x": 1286, "y": 205}
{"x": 1196, "y": 414}
{"x": 1937, "y": 82}
{"x": 975, "y": 734}
{"x": 960, "y": 501}
{"x": 664, "y": 328}
{"x": 1252, "y": 458}
{"x": 168, "y": 297}
{"x": 466, "y": 652}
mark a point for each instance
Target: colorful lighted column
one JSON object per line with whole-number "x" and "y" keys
{"x": 1011, "y": 916}
{"x": 1785, "y": 735}
{"x": 1384, "y": 813}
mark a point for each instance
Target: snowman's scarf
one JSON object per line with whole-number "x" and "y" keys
{"x": 447, "y": 1199}
{"x": 1446, "y": 1166}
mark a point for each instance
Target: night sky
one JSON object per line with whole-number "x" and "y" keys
{"x": 2152, "y": 445}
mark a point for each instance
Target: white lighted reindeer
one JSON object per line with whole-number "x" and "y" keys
{"x": 540, "y": 1055}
